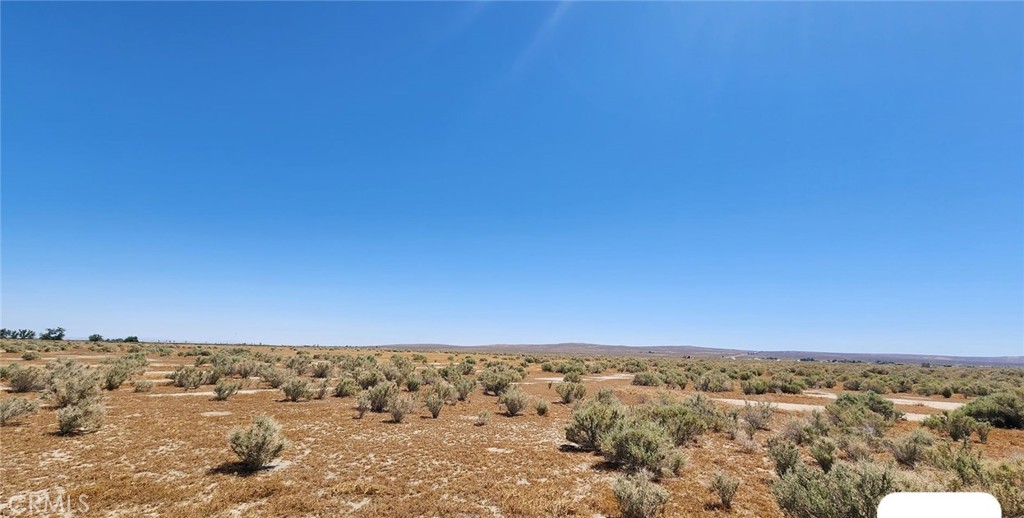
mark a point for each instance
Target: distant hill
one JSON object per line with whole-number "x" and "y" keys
{"x": 678, "y": 351}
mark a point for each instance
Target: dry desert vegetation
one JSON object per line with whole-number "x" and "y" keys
{"x": 138, "y": 429}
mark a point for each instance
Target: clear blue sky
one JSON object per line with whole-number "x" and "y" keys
{"x": 841, "y": 177}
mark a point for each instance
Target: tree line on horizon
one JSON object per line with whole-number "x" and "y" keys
{"x": 56, "y": 333}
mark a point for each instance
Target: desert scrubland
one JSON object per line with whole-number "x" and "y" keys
{"x": 138, "y": 429}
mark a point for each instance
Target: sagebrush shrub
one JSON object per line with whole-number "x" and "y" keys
{"x": 572, "y": 377}
{"x": 370, "y": 378}
{"x": 13, "y": 408}
{"x": 647, "y": 379}
{"x": 31, "y": 355}
{"x": 224, "y": 389}
{"x": 483, "y": 417}
{"x": 713, "y": 382}
{"x": 745, "y": 441}
{"x": 143, "y": 385}
{"x": 867, "y": 412}
{"x": 1001, "y": 410}
{"x": 591, "y": 420}
{"x": 784, "y": 454}
{"x": 321, "y": 389}
{"x": 188, "y": 377}
{"x": 854, "y": 448}
{"x": 71, "y": 383}
{"x": 912, "y": 448}
{"x": 636, "y": 445}
{"x": 434, "y": 404}
{"x": 797, "y": 430}
{"x": 81, "y": 417}
{"x": 444, "y": 390}
{"x": 638, "y": 496}
{"x": 363, "y": 404}
{"x": 346, "y": 387}
{"x": 464, "y": 387}
{"x": 322, "y": 369}
{"x": 381, "y": 394}
{"x": 401, "y": 405}
{"x": 823, "y": 451}
{"x": 844, "y": 491}
{"x": 725, "y": 486}
{"x": 514, "y": 400}
{"x": 296, "y": 389}
{"x": 680, "y": 421}
{"x": 759, "y": 414}
{"x": 115, "y": 375}
{"x": 960, "y": 426}
{"x": 26, "y": 379}
{"x": 413, "y": 382}
{"x": 497, "y": 379}
{"x": 258, "y": 445}
{"x": 570, "y": 392}
{"x": 541, "y": 406}
{"x": 275, "y": 377}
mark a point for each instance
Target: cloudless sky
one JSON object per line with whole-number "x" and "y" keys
{"x": 826, "y": 176}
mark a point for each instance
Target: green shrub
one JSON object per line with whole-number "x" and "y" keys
{"x": 498, "y": 378}
{"x": 843, "y": 491}
{"x": 399, "y": 406}
{"x": 224, "y": 389}
{"x": 680, "y": 421}
{"x": 362, "y": 404}
{"x": 464, "y": 387}
{"x": 13, "y": 408}
{"x": 648, "y": 379}
{"x": 346, "y": 387}
{"x": 321, "y": 389}
{"x": 370, "y": 378}
{"x": 483, "y": 417}
{"x": 725, "y": 486}
{"x": 866, "y": 412}
{"x": 823, "y": 451}
{"x": 1005, "y": 481}
{"x": 784, "y": 454}
{"x": 71, "y": 383}
{"x": 81, "y": 417}
{"x": 31, "y": 355}
{"x": 514, "y": 399}
{"x": 413, "y": 382}
{"x": 541, "y": 406}
{"x": 143, "y": 385}
{"x": 434, "y": 404}
{"x": 572, "y": 377}
{"x": 380, "y": 395}
{"x": 570, "y": 392}
{"x": 296, "y": 389}
{"x": 322, "y": 369}
{"x": 636, "y": 445}
{"x": 115, "y": 375}
{"x": 188, "y": 377}
{"x": 983, "y": 428}
{"x": 26, "y": 379}
{"x": 713, "y": 382}
{"x": 798, "y": 431}
{"x": 591, "y": 420}
{"x": 275, "y": 377}
{"x": 258, "y": 445}
{"x": 960, "y": 426}
{"x": 638, "y": 496}
{"x": 1002, "y": 410}
{"x": 912, "y": 448}
{"x": 758, "y": 415}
